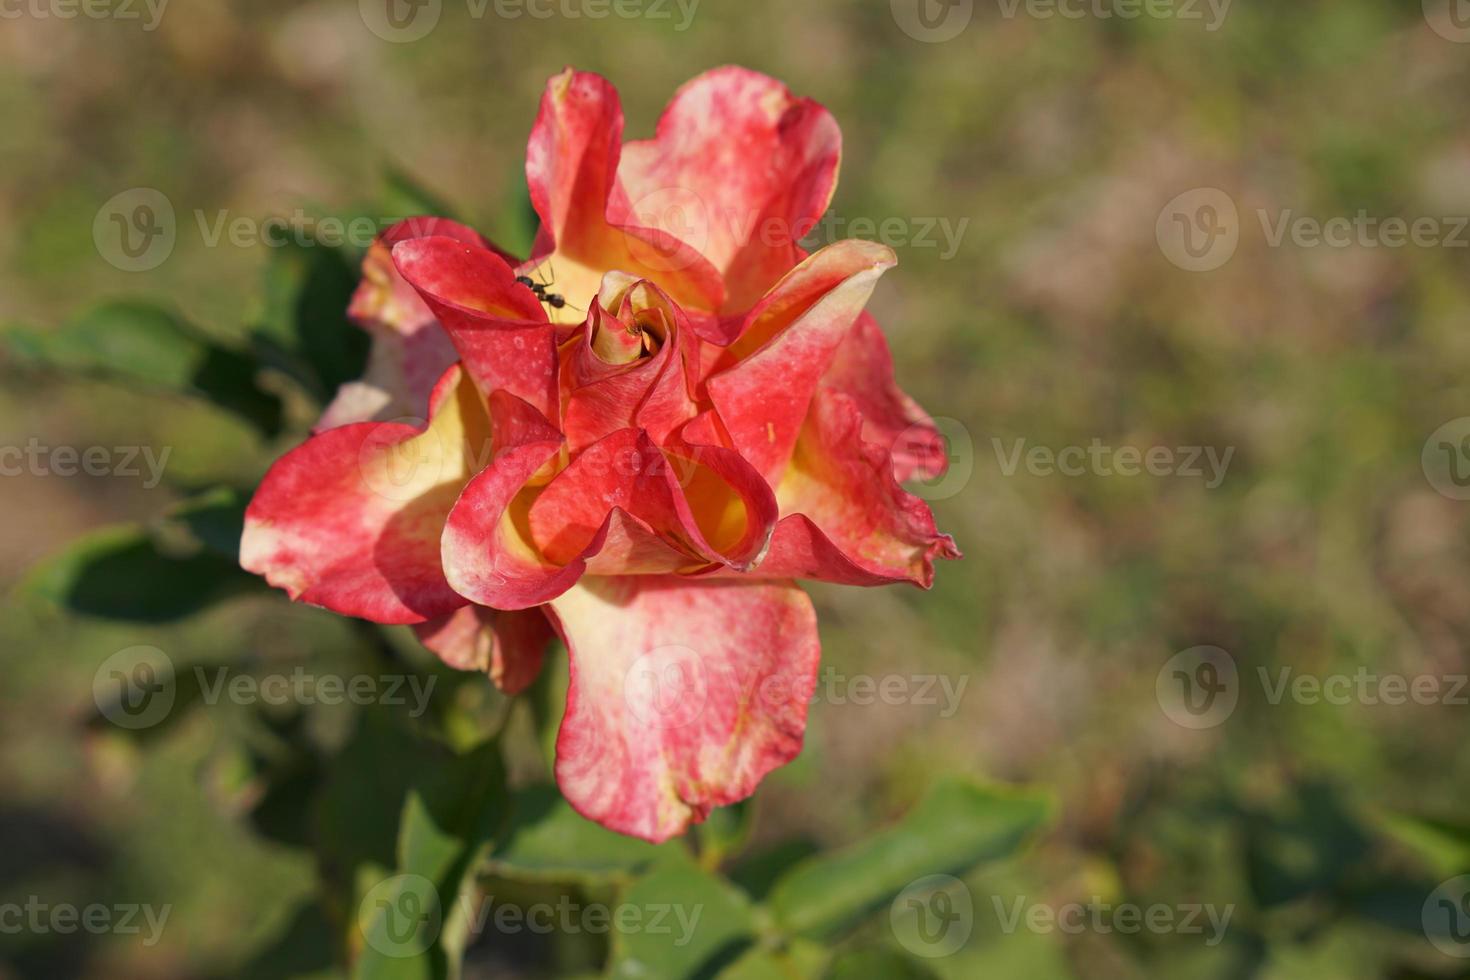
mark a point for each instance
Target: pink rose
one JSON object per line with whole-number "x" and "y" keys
{"x": 638, "y": 439}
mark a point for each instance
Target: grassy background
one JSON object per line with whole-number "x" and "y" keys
{"x": 1059, "y": 321}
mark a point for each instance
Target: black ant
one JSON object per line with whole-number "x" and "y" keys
{"x": 553, "y": 300}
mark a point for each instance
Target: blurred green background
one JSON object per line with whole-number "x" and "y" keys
{"x": 1059, "y": 319}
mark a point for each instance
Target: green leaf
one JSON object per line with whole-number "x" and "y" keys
{"x": 688, "y": 924}
{"x": 955, "y": 827}
{"x": 451, "y": 814}
{"x": 878, "y": 964}
{"x": 304, "y": 325}
{"x": 549, "y": 841}
{"x": 1442, "y": 844}
{"x": 126, "y": 573}
{"x": 148, "y": 347}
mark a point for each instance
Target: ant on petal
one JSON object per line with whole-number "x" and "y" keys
{"x": 553, "y": 300}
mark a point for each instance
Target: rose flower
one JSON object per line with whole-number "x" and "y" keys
{"x": 637, "y": 441}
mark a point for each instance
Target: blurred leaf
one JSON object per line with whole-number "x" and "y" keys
{"x": 689, "y": 925}
{"x": 302, "y": 952}
{"x": 308, "y": 289}
{"x": 125, "y": 573}
{"x": 724, "y": 833}
{"x": 1308, "y": 847}
{"x": 146, "y": 346}
{"x": 452, "y": 811}
{"x": 1444, "y": 845}
{"x": 956, "y": 826}
{"x": 548, "y": 840}
{"x": 216, "y": 519}
{"x": 758, "y": 873}
{"x": 878, "y": 964}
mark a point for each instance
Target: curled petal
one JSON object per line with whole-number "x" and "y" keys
{"x": 684, "y": 694}
{"x": 863, "y": 371}
{"x": 410, "y": 350}
{"x": 571, "y": 168}
{"x": 351, "y": 520}
{"x": 787, "y": 344}
{"x": 497, "y": 325}
{"x": 741, "y": 170}
{"x": 846, "y": 518}
{"x": 509, "y": 646}
{"x": 626, "y": 368}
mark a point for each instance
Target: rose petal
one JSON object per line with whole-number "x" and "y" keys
{"x": 509, "y": 646}
{"x": 497, "y": 325}
{"x": 787, "y": 344}
{"x": 863, "y": 371}
{"x": 683, "y": 696}
{"x": 741, "y": 170}
{"x": 846, "y": 518}
{"x": 351, "y": 520}
{"x": 648, "y": 392}
{"x": 410, "y": 351}
{"x": 571, "y": 167}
